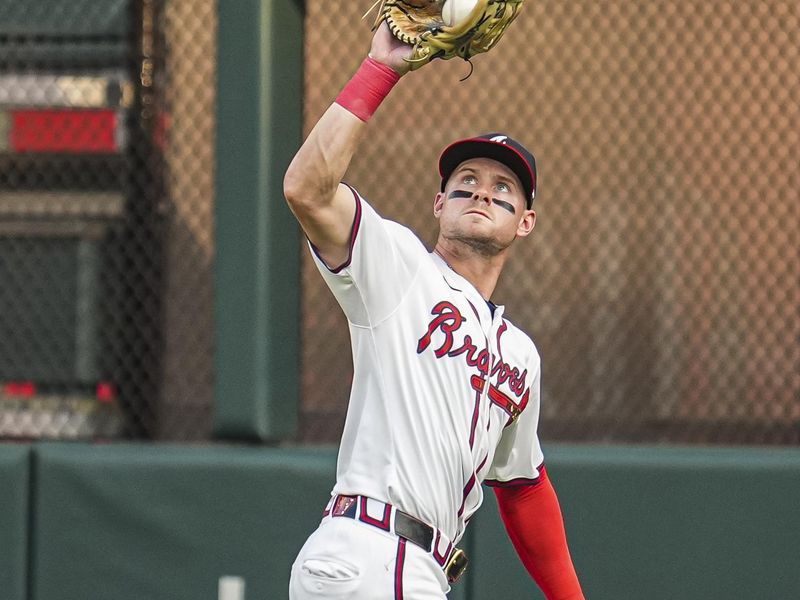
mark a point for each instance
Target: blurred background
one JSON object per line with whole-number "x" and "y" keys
{"x": 661, "y": 286}
{"x": 156, "y": 296}
{"x": 662, "y": 281}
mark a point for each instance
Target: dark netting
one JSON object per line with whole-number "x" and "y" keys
{"x": 662, "y": 282}
{"x": 106, "y": 150}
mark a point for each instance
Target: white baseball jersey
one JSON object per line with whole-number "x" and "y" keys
{"x": 445, "y": 395}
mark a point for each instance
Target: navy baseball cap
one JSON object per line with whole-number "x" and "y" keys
{"x": 496, "y": 146}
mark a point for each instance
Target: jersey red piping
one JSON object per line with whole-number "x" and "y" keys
{"x": 353, "y": 234}
{"x": 398, "y": 569}
{"x": 518, "y": 481}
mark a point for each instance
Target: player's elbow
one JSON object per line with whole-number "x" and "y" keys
{"x": 294, "y": 188}
{"x": 306, "y": 194}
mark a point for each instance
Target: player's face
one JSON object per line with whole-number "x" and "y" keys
{"x": 483, "y": 205}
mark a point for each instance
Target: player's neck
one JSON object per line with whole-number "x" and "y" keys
{"x": 480, "y": 270}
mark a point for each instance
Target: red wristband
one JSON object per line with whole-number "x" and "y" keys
{"x": 366, "y": 90}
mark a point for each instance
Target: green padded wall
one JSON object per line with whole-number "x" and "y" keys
{"x": 14, "y": 502}
{"x": 161, "y": 522}
{"x": 135, "y": 522}
{"x": 663, "y": 524}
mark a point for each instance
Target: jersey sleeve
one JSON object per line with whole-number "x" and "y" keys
{"x": 383, "y": 261}
{"x": 518, "y": 458}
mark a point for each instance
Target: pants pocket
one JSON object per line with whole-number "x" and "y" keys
{"x": 324, "y": 578}
{"x": 326, "y": 568}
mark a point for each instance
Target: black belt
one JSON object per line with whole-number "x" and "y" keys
{"x": 454, "y": 562}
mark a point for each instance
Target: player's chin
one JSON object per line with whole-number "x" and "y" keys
{"x": 477, "y": 225}
{"x": 477, "y": 234}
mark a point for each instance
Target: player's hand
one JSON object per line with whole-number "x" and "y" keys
{"x": 390, "y": 51}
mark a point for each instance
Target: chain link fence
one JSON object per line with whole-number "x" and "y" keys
{"x": 662, "y": 282}
{"x": 106, "y": 149}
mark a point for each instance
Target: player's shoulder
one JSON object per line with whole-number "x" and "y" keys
{"x": 407, "y": 240}
{"x": 402, "y": 234}
{"x": 521, "y": 340}
{"x": 402, "y": 231}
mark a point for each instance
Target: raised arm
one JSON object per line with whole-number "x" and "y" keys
{"x": 312, "y": 183}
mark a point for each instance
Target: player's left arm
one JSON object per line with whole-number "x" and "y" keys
{"x": 528, "y": 502}
{"x": 532, "y": 516}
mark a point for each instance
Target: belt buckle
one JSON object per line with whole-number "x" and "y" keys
{"x": 456, "y": 565}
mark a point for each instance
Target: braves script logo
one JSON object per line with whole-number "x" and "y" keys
{"x": 447, "y": 319}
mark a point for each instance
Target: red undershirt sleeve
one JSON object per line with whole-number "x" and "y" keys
{"x": 533, "y": 520}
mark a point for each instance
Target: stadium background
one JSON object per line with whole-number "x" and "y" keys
{"x": 156, "y": 296}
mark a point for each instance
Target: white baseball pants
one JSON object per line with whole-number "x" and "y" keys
{"x": 346, "y": 558}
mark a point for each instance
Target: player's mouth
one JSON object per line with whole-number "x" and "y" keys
{"x": 478, "y": 212}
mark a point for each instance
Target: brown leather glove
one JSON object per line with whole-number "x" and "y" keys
{"x": 421, "y": 24}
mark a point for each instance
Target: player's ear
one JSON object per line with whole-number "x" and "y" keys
{"x": 527, "y": 223}
{"x": 438, "y": 204}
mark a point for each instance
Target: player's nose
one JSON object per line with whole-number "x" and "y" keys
{"x": 482, "y": 195}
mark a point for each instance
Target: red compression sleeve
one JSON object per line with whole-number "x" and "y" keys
{"x": 366, "y": 90}
{"x": 533, "y": 520}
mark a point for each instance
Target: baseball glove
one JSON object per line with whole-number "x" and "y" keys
{"x": 420, "y": 24}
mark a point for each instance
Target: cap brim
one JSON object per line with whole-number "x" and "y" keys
{"x": 457, "y": 152}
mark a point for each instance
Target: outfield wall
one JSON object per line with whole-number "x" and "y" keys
{"x": 129, "y": 522}
{"x": 14, "y": 505}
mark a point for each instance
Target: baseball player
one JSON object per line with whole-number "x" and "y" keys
{"x": 445, "y": 393}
